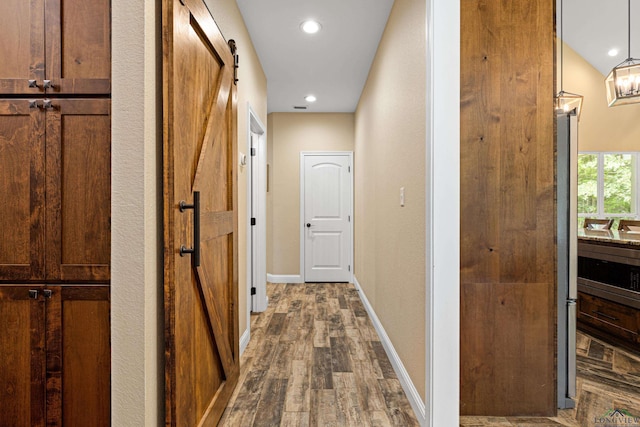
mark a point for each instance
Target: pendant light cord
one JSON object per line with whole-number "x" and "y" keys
{"x": 629, "y": 32}
{"x": 562, "y": 48}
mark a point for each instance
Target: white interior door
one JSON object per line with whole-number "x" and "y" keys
{"x": 326, "y": 219}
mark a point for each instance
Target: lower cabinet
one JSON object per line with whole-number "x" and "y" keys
{"x": 610, "y": 321}
{"x": 54, "y": 355}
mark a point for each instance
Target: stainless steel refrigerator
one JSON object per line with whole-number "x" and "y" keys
{"x": 567, "y": 191}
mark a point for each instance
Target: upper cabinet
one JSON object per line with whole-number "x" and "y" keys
{"x": 55, "y": 47}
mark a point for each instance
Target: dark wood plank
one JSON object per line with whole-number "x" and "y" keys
{"x": 340, "y": 358}
{"x": 321, "y": 377}
{"x": 507, "y": 199}
{"x": 383, "y": 361}
{"x": 276, "y": 324}
{"x": 270, "y": 408}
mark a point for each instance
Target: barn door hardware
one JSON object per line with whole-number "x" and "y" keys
{"x": 236, "y": 60}
{"x": 195, "y": 250}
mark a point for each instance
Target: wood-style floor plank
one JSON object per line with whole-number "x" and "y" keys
{"x": 315, "y": 360}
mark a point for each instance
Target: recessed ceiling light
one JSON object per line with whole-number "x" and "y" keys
{"x": 310, "y": 98}
{"x": 613, "y": 52}
{"x": 310, "y": 26}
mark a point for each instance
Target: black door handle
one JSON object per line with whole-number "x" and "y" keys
{"x": 308, "y": 225}
{"x": 195, "y": 250}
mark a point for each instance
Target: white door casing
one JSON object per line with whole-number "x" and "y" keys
{"x": 326, "y": 216}
{"x": 256, "y": 208}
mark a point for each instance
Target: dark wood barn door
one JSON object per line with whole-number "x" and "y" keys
{"x": 200, "y": 218}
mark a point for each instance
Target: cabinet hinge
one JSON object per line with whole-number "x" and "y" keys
{"x": 348, "y": 168}
{"x": 253, "y": 151}
{"x": 253, "y": 290}
{"x": 349, "y": 268}
{"x": 253, "y": 221}
{"x": 349, "y": 218}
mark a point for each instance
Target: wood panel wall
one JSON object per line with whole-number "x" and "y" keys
{"x": 508, "y": 252}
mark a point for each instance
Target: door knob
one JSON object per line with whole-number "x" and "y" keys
{"x": 308, "y": 225}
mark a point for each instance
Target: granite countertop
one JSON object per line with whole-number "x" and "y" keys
{"x": 631, "y": 238}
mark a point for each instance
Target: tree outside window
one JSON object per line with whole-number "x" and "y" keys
{"x": 608, "y": 185}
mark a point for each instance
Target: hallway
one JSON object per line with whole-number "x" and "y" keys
{"x": 314, "y": 359}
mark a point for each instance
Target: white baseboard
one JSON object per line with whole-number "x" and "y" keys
{"x": 284, "y": 278}
{"x": 244, "y": 340}
{"x": 407, "y": 385}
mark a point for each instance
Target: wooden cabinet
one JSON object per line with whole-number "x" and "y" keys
{"x": 608, "y": 292}
{"x": 55, "y": 187}
{"x": 55, "y": 353}
{"x": 64, "y": 42}
{"x": 608, "y": 320}
{"x": 55, "y": 184}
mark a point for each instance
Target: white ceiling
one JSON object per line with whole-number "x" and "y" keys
{"x": 334, "y": 63}
{"x": 592, "y": 27}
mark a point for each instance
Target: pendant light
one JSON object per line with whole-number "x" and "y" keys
{"x": 623, "y": 82}
{"x": 565, "y": 102}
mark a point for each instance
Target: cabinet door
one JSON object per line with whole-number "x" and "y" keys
{"x": 78, "y": 356}
{"x": 22, "y": 47}
{"x": 78, "y": 185}
{"x": 22, "y": 190}
{"x": 22, "y": 356}
{"x": 78, "y": 46}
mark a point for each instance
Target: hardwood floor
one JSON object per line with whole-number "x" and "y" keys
{"x": 315, "y": 360}
{"x": 608, "y": 378}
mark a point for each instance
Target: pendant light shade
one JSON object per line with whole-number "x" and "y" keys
{"x": 566, "y": 102}
{"x": 623, "y": 82}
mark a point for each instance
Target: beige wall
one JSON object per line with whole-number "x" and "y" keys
{"x": 390, "y": 153}
{"x": 252, "y": 89}
{"x": 601, "y": 128}
{"x": 288, "y": 135}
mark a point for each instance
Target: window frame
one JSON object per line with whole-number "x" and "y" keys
{"x": 635, "y": 204}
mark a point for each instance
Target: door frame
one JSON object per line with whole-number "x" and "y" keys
{"x": 259, "y": 301}
{"x": 303, "y": 155}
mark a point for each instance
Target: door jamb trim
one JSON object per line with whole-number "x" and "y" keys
{"x": 255, "y": 125}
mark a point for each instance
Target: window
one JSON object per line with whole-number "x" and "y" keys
{"x": 608, "y": 185}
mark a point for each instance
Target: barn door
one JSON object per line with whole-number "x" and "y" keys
{"x": 200, "y": 216}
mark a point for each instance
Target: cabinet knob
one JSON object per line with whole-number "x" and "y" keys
{"x": 48, "y": 84}
{"x": 33, "y": 293}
